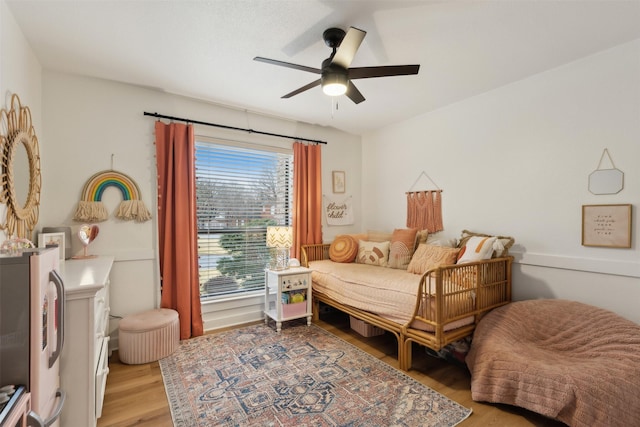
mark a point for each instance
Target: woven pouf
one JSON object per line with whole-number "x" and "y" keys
{"x": 148, "y": 336}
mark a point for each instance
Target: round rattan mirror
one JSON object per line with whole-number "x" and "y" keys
{"x": 20, "y": 178}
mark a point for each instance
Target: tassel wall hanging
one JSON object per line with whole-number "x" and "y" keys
{"x": 91, "y": 209}
{"x": 424, "y": 208}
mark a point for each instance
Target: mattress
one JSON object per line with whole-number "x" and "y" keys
{"x": 387, "y": 292}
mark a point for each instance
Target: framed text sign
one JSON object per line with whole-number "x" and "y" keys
{"x": 606, "y": 226}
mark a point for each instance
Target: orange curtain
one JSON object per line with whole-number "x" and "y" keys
{"x": 177, "y": 225}
{"x": 307, "y": 196}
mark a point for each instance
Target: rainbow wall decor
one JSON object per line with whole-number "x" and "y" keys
{"x": 91, "y": 208}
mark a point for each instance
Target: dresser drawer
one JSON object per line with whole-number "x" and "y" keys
{"x": 102, "y": 370}
{"x": 101, "y": 312}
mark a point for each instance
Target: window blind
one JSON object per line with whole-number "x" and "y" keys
{"x": 239, "y": 192}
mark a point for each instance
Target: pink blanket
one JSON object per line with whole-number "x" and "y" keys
{"x": 570, "y": 361}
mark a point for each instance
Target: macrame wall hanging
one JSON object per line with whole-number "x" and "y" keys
{"x": 91, "y": 209}
{"x": 424, "y": 208}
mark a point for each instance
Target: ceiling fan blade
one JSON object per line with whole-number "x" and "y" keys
{"x": 288, "y": 65}
{"x": 348, "y": 47}
{"x": 302, "y": 89}
{"x": 354, "y": 94}
{"x": 383, "y": 71}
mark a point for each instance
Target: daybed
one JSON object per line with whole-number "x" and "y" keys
{"x": 432, "y": 301}
{"x": 570, "y": 361}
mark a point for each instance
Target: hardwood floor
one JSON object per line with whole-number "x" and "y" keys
{"x": 135, "y": 394}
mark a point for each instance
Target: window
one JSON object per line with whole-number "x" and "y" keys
{"x": 239, "y": 192}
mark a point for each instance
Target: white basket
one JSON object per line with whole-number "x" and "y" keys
{"x": 364, "y": 328}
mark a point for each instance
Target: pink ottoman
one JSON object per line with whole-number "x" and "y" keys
{"x": 148, "y": 336}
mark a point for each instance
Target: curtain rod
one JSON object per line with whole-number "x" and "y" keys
{"x": 162, "y": 116}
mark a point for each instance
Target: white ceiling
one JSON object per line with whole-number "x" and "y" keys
{"x": 205, "y": 49}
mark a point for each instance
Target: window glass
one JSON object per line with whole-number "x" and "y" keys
{"x": 239, "y": 192}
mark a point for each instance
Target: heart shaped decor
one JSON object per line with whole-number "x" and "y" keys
{"x": 88, "y": 233}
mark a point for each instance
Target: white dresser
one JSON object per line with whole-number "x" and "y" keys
{"x": 85, "y": 355}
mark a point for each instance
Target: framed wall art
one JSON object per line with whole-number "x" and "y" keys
{"x": 339, "y": 184}
{"x": 606, "y": 226}
{"x": 52, "y": 239}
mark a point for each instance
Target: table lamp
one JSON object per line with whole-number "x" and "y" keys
{"x": 280, "y": 240}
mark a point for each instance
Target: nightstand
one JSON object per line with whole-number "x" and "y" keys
{"x": 287, "y": 295}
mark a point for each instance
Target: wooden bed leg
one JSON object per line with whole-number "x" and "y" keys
{"x": 400, "y": 352}
{"x": 406, "y": 363}
{"x": 316, "y": 310}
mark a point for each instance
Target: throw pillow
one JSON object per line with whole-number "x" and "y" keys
{"x": 477, "y": 248}
{"x": 373, "y": 253}
{"x": 344, "y": 248}
{"x": 438, "y": 239}
{"x": 505, "y": 241}
{"x": 431, "y": 256}
{"x": 421, "y": 237}
{"x": 401, "y": 248}
{"x": 378, "y": 236}
{"x": 359, "y": 236}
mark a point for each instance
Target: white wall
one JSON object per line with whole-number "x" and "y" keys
{"x": 512, "y": 161}
{"x": 82, "y": 122}
{"x": 88, "y": 120}
{"x": 20, "y": 73}
{"x": 515, "y": 161}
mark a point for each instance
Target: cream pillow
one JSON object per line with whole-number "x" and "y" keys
{"x": 378, "y": 236}
{"x": 438, "y": 239}
{"x": 373, "y": 253}
{"x": 427, "y": 257}
{"x": 477, "y": 248}
{"x": 421, "y": 237}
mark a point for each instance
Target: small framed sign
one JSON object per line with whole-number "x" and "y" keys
{"x": 338, "y": 181}
{"x": 606, "y": 226}
{"x": 46, "y": 240}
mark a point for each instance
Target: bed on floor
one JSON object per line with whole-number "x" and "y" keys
{"x": 569, "y": 361}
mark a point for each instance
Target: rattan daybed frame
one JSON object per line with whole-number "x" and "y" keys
{"x": 488, "y": 285}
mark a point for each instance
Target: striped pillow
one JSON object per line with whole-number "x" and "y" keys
{"x": 401, "y": 249}
{"x": 430, "y": 256}
{"x": 344, "y": 248}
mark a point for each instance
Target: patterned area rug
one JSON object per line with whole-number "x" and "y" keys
{"x": 302, "y": 376}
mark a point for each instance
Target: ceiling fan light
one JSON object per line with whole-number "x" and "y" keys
{"x": 334, "y": 84}
{"x": 334, "y": 89}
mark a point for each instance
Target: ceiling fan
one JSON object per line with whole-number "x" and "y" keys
{"x": 335, "y": 74}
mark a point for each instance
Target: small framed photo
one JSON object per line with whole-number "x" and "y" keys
{"x": 339, "y": 183}
{"x": 606, "y": 226}
{"x": 46, "y": 240}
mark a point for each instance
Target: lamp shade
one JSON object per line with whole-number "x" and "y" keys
{"x": 280, "y": 237}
